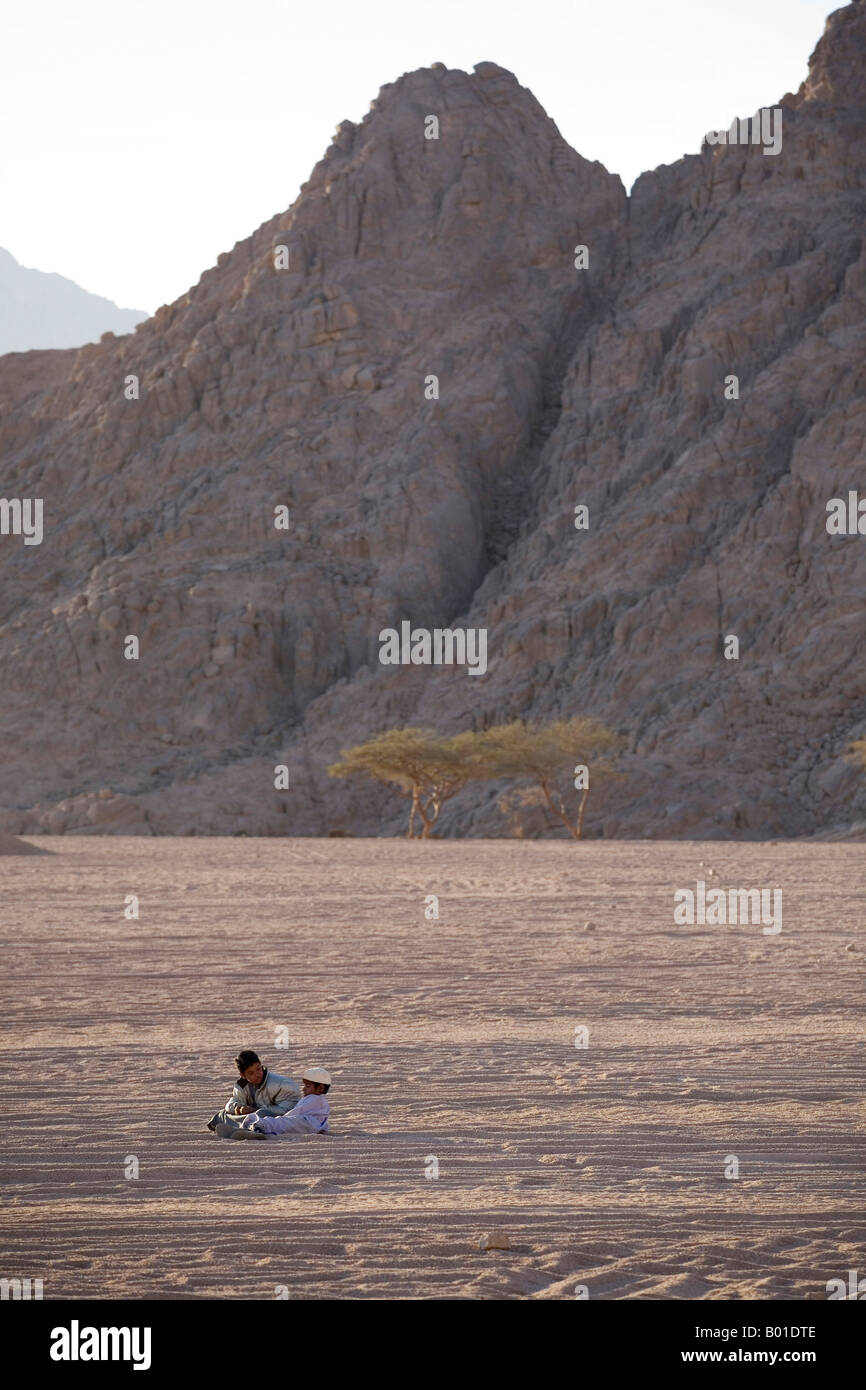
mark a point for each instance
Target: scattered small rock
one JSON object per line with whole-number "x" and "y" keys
{"x": 497, "y": 1239}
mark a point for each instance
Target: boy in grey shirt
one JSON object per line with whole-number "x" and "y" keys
{"x": 257, "y": 1091}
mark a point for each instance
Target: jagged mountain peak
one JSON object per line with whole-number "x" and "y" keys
{"x": 837, "y": 67}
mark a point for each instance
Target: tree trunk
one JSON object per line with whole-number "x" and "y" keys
{"x": 579, "y": 835}
{"x": 410, "y": 835}
{"x": 558, "y": 811}
{"x": 429, "y": 821}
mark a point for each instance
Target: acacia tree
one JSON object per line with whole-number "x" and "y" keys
{"x": 427, "y": 768}
{"x": 547, "y": 756}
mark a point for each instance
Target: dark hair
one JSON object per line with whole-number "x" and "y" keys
{"x": 245, "y": 1059}
{"x": 326, "y": 1089}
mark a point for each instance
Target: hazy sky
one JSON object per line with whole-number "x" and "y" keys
{"x": 140, "y": 138}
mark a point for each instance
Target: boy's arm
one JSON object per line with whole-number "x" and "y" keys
{"x": 236, "y": 1100}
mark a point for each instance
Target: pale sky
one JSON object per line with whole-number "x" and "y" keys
{"x": 141, "y": 138}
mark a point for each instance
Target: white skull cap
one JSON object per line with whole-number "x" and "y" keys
{"x": 317, "y": 1075}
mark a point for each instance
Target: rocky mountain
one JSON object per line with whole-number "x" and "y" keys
{"x": 300, "y": 378}
{"x": 41, "y": 310}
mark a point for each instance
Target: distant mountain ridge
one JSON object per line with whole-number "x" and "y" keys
{"x": 39, "y": 309}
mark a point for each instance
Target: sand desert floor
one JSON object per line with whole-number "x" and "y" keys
{"x": 451, "y": 1039}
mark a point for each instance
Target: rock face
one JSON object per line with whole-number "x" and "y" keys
{"x": 304, "y": 387}
{"x": 39, "y": 310}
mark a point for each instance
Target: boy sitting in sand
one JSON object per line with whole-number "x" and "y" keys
{"x": 257, "y": 1091}
{"x": 309, "y": 1116}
